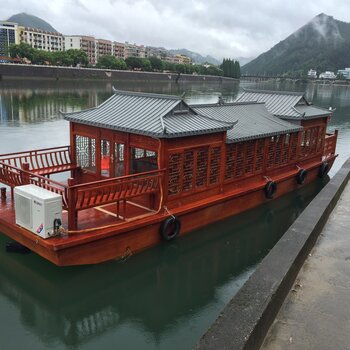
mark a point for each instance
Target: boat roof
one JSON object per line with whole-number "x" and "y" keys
{"x": 254, "y": 120}
{"x": 284, "y": 104}
{"x": 155, "y": 115}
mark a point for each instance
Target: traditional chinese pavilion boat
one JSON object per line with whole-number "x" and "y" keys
{"x": 145, "y": 168}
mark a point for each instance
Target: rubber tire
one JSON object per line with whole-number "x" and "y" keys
{"x": 270, "y": 189}
{"x": 322, "y": 172}
{"x": 301, "y": 176}
{"x": 171, "y": 220}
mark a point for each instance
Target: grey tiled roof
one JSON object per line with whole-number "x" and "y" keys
{"x": 254, "y": 120}
{"x": 163, "y": 116}
{"x": 312, "y": 111}
{"x": 284, "y": 104}
{"x": 279, "y": 103}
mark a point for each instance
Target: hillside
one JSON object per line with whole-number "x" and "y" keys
{"x": 322, "y": 44}
{"x": 31, "y": 21}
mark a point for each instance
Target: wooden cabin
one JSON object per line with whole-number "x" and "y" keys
{"x": 146, "y": 167}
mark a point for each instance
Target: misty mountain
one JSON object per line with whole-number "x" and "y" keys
{"x": 244, "y": 60}
{"x": 322, "y": 44}
{"x": 196, "y": 57}
{"x": 26, "y": 20}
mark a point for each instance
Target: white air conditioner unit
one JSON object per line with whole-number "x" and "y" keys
{"x": 36, "y": 209}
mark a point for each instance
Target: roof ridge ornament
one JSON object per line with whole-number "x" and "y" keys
{"x": 221, "y": 101}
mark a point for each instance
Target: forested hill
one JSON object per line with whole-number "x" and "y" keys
{"x": 30, "y": 21}
{"x": 322, "y": 44}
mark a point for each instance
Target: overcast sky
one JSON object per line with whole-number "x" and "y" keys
{"x": 221, "y": 28}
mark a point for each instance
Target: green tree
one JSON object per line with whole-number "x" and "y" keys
{"x": 156, "y": 63}
{"x": 77, "y": 57}
{"x": 22, "y": 50}
{"x": 134, "y": 62}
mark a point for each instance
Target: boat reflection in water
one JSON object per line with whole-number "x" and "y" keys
{"x": 165, "y": 297}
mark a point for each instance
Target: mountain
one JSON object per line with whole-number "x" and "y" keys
{"x": 244, "y": 60}
{"x": 196, "y": 57}
{"x": 322, "y": 44}
{"x": 26, "y": 20}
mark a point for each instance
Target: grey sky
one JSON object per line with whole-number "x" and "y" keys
{"x": 219, "y": 28}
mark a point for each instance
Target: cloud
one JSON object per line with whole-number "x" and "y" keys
{"x": 219, "y": 28}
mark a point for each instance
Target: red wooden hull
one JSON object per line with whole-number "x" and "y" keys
{"x": 131, "y": 237}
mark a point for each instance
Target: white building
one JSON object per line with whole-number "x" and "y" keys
{"x": 312, "y": 74}
{"x": 8, "y": 36}
{"x": 41, "y": 39}
{"x": 82, "y": 42}
{"x": 327, "y": 75}
{"x": 344, "y": 72}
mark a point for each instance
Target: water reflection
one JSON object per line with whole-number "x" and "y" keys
{"x": 39, "y": 101}
{"x": 154, "y": 295}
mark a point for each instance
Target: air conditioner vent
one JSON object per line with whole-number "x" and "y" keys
{"x": 23, "y": 210}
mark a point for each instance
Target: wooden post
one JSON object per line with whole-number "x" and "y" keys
{"x": 3, "y": 193}
{"x": 25, "y": 176}
{"x": 72, "y": 213}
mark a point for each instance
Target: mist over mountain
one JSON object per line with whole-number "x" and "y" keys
{"x": 321, "y": 44}
{"x": 26, "y": 20}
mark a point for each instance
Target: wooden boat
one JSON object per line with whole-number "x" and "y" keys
{"x": 146, "y": 168}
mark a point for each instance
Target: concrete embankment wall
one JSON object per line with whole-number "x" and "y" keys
{"x": 245, "y": 321}
{"x": 57, "y": 73}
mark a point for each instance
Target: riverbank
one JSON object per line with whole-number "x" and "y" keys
{"x": 246, "y": 319}
{"x": 315, "y": 313}
{"x": 68, "y": 73}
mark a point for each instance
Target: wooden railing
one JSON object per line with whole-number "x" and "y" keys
{"x": 13, "y": 176}
{"x": 330, "y": 144}
{"x": 42, "y": 161}
{"x": 97, "y": 193}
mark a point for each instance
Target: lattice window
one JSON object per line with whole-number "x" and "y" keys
{"x": 202, "y": 166}
{"x": 320, "y": 139}
{"x": 278, "y": 150}
{"x": 118, "y": 159}
{"x": 240, "y": 159}
{"x": 230, "y": 160}
{"x": 86, "y": 152}
{"x": 215, "y": 160}
{"x": 285, "y": 149}
{"x": 293, "y": 147}
{"x": 259, "y": 158}
{"x": 271, "y": 152}
{"x": 142, "y": 160}
{"x": 313, "y": 143}
{"x": 188, "y": 170}
{"x": 249, "y": 160}
{"x": 175, "y": 169}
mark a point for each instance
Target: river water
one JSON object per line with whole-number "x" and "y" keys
{"x": 165, "y": 297}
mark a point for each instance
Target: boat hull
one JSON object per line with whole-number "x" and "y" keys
{"x": 122, "y": 241}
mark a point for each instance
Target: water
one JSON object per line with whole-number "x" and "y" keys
{"x": 164, "y": 298}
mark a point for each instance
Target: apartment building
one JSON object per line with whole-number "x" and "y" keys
{"x": 8, "y": 36}
{"x": 133, "y": 50}
{"x": 103, "y": 47}
{"x": 118, "y": 49}
{"x": 41, "y": 39}
{"x": 82, "y": 42}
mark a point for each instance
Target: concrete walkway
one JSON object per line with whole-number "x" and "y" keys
{"x": 316, "y": 312}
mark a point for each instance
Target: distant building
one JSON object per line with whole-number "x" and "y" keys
{"x": 158, "y": 52}
{"x": 312, "y": 74}
{"x": 179, "y": 59}
{"x": 344, "y": 72}
{"x": 118, "y": 49}
{"x": 41, "y": 39}
{"x": 103, "y": 48}
{"x": 8, "y": 36}
{"x": 327, "y": 75}
{"x": 82, "y": 42}
{"x": 133, "y": 50}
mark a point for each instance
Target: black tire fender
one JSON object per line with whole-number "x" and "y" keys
{"x": 301, "y": 176}
{"x": 170, "y": 228}
{"x": 323, "y": 170}
{"x": 270, "y": 189}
